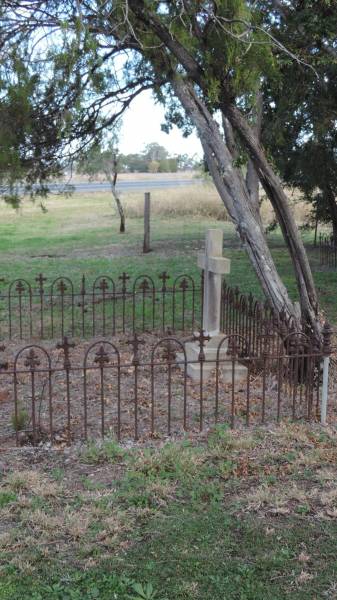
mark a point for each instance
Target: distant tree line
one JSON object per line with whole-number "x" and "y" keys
{"x": 153, "y": 159}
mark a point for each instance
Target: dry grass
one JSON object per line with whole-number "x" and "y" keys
{"x": 199, "y": 200}
{"x": 32, "y": 482}
{"x": 203, "y": 200}
{"x": 263, "y": 473}
{"x": 299, "y": 208}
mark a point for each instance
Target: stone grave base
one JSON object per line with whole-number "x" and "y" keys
{"x": 210, "y": 351}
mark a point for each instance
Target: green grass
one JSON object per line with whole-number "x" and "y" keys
{"x": 80, "y": 235}
{"x": 238, "y": 517}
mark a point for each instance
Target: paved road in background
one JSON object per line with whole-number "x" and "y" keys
{"x": 129, "y": 186}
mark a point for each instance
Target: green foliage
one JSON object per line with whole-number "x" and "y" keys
{"x": 105, "y": 159}
{"x": 91, "y": 585}
{"x": 7, "y": 497}
{"x": 20, "y": 419}
{"x": 300, "y": 106}
{"x": 143, "y": 592}
{"x": 71, "y": 95}
{"x": 107, "y": 451}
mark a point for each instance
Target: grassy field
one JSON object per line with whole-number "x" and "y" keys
{"x": 245, "y": 515}
{"x": 239, "y": 516}
{"x": 80, "y": 235}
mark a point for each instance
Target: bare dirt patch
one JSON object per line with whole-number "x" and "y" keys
{"x": 121, "y": 396}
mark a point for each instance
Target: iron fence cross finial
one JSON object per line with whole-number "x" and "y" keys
{"x": 184, "y": 284}
{"x": 124, "y": 277}
{"x": 65, "y": 346}
{"x": 144, "y": 286}
{"x": 32, "y": 360}
{"x": 20, "y": 288}
{"x": 62, "y": 288}
{"x": 40, "y": 279}
{"x": 164, "y": 277}
{"x": 101, "y": 357}
{"x": 103, "y": 285}
{"x": 202, "y": 337}
{"x": 135, "y": 342}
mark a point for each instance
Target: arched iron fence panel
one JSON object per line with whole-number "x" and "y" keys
{"x": 103, "y": 306}
{"x": 145, "y": 386}
{"x": 20, "y": 321}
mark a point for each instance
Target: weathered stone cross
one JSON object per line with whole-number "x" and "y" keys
{"x": 214, "y": 266}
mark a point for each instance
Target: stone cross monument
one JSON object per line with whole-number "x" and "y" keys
{"x": 214, "y": 266}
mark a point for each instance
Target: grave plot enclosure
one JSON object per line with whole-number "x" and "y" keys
{"x": 138, "y": 386}
{"x": 149, "y": 356}
{"x": 131, "y": 378}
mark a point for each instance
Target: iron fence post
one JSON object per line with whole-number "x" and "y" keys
{"x": 327, "y": 333}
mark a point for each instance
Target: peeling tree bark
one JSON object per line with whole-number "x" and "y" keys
{"x": 252, "y": 178}
{"x": 231, "y": 186}
{"x": 273, "y": 187}
{"x": 222, "y": 175}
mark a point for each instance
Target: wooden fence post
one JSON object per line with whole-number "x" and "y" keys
{"x": 147, "y": 207}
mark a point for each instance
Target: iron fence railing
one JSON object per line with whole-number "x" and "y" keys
{"x": 139, "y": 387}
{"x": 327, "y": 250}
{"x": 105, "y": 306}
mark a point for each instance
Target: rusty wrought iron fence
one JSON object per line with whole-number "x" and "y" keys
{"x": 105, "y": 306}
{"x": 256, "y": 321}
{"x": 327, "y": 250}
{"x": 142, "y": 386}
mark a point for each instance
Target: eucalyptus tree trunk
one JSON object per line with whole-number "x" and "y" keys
{"x": 237, "y": 199}
{"x": 274, "y": 190}
{"x": 252, "y": 178}
{"x": 232, "y": 189}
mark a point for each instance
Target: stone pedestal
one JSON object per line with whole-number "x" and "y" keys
{"x": 192, "y": 350}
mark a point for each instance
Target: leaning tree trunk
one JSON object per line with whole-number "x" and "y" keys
{"x": 121, "y": 214}
{"x": 279, "y": 201}
{"x": 222, "y": 171}
{"x": 252, "y": 178}
{"x": 233, "y": 192}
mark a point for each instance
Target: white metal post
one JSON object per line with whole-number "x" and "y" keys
{"x": 325, "y": 389}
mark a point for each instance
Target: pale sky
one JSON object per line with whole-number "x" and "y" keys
{"x": 141, "y": 126}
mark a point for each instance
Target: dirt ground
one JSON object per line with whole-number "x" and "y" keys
{"x": 147, "y": 400}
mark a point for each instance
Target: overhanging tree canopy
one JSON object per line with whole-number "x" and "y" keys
{"x": 300, "y": 114}
{"x": 198, "y": 57}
